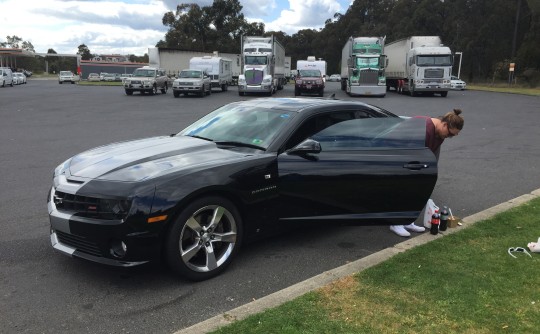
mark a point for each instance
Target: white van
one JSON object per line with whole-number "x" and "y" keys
{"x": 7, "y": 76}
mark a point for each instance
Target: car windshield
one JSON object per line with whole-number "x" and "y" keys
{"x": 256, "y": 60}
{"x": 367, "y": 61}
{"x": 310, "y": 73}
{"x": 442, "y": 60}
{"x": 191, "y": 74}
{"x": 240, "y": 123}
{"x": 144, "y": 73}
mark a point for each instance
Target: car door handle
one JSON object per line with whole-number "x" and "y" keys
{"x": 415, "y": 166}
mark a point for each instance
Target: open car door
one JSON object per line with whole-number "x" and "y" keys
{"x": 369, "y": 170}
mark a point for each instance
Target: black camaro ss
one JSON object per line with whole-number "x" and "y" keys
{"x": 241, "y": 172}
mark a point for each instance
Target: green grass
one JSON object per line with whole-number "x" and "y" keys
{"x": 464, "y": 282}
{"x": 501, "y": 88}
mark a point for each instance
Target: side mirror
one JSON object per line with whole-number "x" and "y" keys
{"x": 306, "y": 147}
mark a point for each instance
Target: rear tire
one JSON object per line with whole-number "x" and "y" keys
{"x": 444, "y": 94}
{"x": 204, "y": 238}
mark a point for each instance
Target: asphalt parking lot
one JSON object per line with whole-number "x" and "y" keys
{"x": 495, "y": 158}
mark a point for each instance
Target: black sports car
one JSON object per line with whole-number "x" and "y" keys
{"x": 243, "y": 171}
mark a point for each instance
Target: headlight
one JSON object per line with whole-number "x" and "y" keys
{"x": 61, "y": 168}
{"x": 319, "y": 81}
{"x": 241, "y": 80}
{"x": 267, "y": 80}
{"x": 298, "y": 82}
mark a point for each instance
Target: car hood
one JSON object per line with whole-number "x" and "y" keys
{"x": 144, "y": 159}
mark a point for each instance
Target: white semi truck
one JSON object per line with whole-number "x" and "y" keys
{"x": 363, "y": 66}
{"x": 218, "y": 68}
{"x": 312, "y": 64}
{"x": 419, "y": 64}
{"x": 263, "y": 60}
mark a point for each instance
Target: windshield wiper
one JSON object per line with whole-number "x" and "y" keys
{"x": 240, "y": 144}
{"x": 199, "y": 137}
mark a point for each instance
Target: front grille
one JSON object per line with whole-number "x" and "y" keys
{"x": 253, "y": 77}
{"x": 369, "y": 77}
{"x": 185, "y": 83}
{"x": 79, "y": 243}
{"x": 91, "y": 207}
{"x": 434, "y": 73}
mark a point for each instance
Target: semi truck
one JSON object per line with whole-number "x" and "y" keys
{"x": 218, "y": 68}
{"x": 419, "y": 64}
{"x": 312, "y": 64}
{"x": 363, "y": 66}
{"x": 263, "y": 70}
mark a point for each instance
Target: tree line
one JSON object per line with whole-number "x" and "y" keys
{"x": 491, "y": 34}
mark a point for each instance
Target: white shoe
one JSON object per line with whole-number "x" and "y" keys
{"x": 399, "y": 230}
{"x": 414, "y": 228}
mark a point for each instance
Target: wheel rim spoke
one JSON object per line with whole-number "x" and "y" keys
{"x": 216, "y": 218}
{"x": 190, "y": 252}
{"x": 211, "y": 262}
{"x": 193, "y": 224}
{"x": 229, "y": 237}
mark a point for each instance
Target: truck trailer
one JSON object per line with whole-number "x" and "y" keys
{"x": 419, "y": 64}
{"x": 218, "y": 68}
{"x": 362, "y": 66}
{"x": 263, "y": 70}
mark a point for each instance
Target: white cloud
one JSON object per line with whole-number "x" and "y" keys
{"x": 132, "y": 26}
{"x": 304, "y": 14}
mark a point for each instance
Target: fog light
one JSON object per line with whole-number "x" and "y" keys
{"x": 118, "y": 248}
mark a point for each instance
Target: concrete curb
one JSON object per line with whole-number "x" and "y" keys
{"x": 299, "y": 289}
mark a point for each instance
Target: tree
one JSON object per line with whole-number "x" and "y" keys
{"x": 84, "y": 51}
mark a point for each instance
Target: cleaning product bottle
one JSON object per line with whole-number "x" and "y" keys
{"x": 435, "y": 220}
{"x": 444, "y": 219}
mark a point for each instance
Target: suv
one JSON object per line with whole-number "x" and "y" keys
{"x": 147, "y": 79}
{"x": 309, "y": 81}
{"x": 67, "y": 76}
{"x": 6, "y": 76}
{"x": 192, "y": 81}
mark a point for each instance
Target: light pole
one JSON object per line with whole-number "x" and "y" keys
{"x": 459, "y": 66}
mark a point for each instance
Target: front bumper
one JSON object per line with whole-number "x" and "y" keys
{"x": 188, "y": 89}
{"x": 255, "y": 88}
{"x": 97, "y": 240}
{"x": 367, "y": 90}
{"x": 143, "y": 86}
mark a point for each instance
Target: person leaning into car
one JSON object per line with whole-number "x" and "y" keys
{"x": 437, "y": 130}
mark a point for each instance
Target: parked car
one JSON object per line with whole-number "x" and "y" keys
{"x": 310, "y": 82}
{"x": 112, "y": 77}
{"x": 147, "y": 79}
{"x": 93, "y": 77}
{"x": 21, "y": 78}
{"x": 7, "y": 76}
{"x": 457, "y": 84}
{"x": 123, "y": 77}
{"x": 192, "y": 81}
{"x": 335, "y": 77}
{"x": 67, "y": 76}
{"x": 246, "y": 170}
{"x": 102, "y": 76}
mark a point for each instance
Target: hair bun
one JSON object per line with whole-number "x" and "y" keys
{"x": 457, "y": 111}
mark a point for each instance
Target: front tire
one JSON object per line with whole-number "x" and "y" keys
{"x": 129, "y": 92}
{"x": 204, "y": 238}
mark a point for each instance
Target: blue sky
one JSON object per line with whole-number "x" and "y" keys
{"x": 132, "y": 26}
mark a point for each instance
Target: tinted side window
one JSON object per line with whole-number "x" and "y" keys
{"x": 373, "y": 133}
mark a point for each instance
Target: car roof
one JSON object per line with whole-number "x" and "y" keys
{"x": 298, "y": 104}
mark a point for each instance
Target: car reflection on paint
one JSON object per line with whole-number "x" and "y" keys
{"x": 244, "y": 171}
